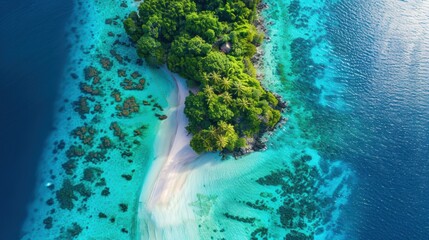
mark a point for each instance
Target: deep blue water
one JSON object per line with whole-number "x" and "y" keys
{"x": 33, "y": 52}
{"x": 384, "y": 47}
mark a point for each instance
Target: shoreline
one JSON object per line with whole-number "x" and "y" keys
{"x": 167, "y": 174}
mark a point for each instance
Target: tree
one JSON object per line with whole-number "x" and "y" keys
{"x": 230, "y": 103}
{"x": 151, "y": 50}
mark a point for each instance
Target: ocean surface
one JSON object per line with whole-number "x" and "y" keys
{"x": 33, "y": 51}
{"x": 81, "y": 114}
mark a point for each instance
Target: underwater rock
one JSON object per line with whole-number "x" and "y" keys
{"x": 240, "y": 219}
{"x": 135, "y": 75}
{"x": 69, "y": 167}
{"x": 260, "y": 233}
{"x": 97, "y": 108}
{"x": 122, "y": 73}
{"x": 100, "y": 183}
{"x": 82, "y": 190}
{"x": 65, "y": 195}
{"x": 127, "y": 177}
{"x": 105, "y": 192}
{"x": 75, "y": 151}
{"x": 58, "y": 146}
{"x": 129, "y": 106}
{"x": 96, "y": 80}
{"x": 74, "y": 76}
{"x": 116, "y": 95}
{"x": 84, "y": 133}
{"x": 90, "y": 72}
{"x": 295, "y": 235}
{"x": 85, "y": 88}
{"x": 48, "y": 222}
{"x": 81, "y": 106}
{"x": 123, "y": 207}
{"x": 105, "y": 143}
{"x": 50, "y": 202}
{"x": 158, "y": 106}
{"x": 95, "y": 157}
{"x": 126, "y": 154}
{"x": 117, "y": 56}
{"x": 162, "y": 117}
{"x": 106, "y": 63}
{"x": 74, "y": 230}
{"x": 102, "y": 215}
{"x": 128, "y": 84}
{"x": 90, "y": 174}
{"x": 117, "y": 131}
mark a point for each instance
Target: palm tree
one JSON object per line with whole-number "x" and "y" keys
{"x": 211, "y": 132}
{"x": 208, "y": 145}
{"x": 205, "y": 78}
{"x": 227, "y": 98}
{"x": 225, "y": 84}
{"x": 215, "y": 77}
{"x": 243, "y": 103}
{"x": 209, "y": 91}
{"x": 221, "y": 141}
{"x": 239, "y": 88}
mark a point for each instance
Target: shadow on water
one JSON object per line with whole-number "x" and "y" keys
{"x": 32, "y": 55}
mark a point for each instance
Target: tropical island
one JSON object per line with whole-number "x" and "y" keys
{"x": 212, "y": 45}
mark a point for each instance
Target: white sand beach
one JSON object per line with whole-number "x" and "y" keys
{"x": 161, "y": 195}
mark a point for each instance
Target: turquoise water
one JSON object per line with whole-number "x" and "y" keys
{"x": 340, "y": 166}
{"x": 89, "y": 174}
{"x": 296, "y": 187}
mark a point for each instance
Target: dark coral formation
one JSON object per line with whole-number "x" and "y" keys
{"x": 116, "y": 95}
{"x": 86, "y": 88}
{"x": 122, "y": 73}
{"x": 95, "y": 156}
{"x": 74, "y": 230}
{"x": 75, "y": 151}
{"x": 106, "y": 63}
{"x": 105, "y": 143}
{"x": 129, "y": 84}
{"x": 90, "y": 174}
{"x": 298, "y": 194}
{"x": 117, "y": 56}
{"x": 90, "y": 72}
{"x": 65, "y": 195}
{"x": 123, "y": 207}
{"x": 240, "y": 219}
{"x": 81, "y": 106}
{"x": 85, "y": 134}
{"x": 69, "y": 166}
{"x": 127, "y": 177}
{"x": 48, "y": 222}
{"x": 128, "y": 107}
{"x": 117, "y": 131}
{"x": 105, "y": 192}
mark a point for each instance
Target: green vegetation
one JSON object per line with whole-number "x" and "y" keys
{"x": 210, "y": 43}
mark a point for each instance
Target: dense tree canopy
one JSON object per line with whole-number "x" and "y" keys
{"x": 209, "y": 42}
